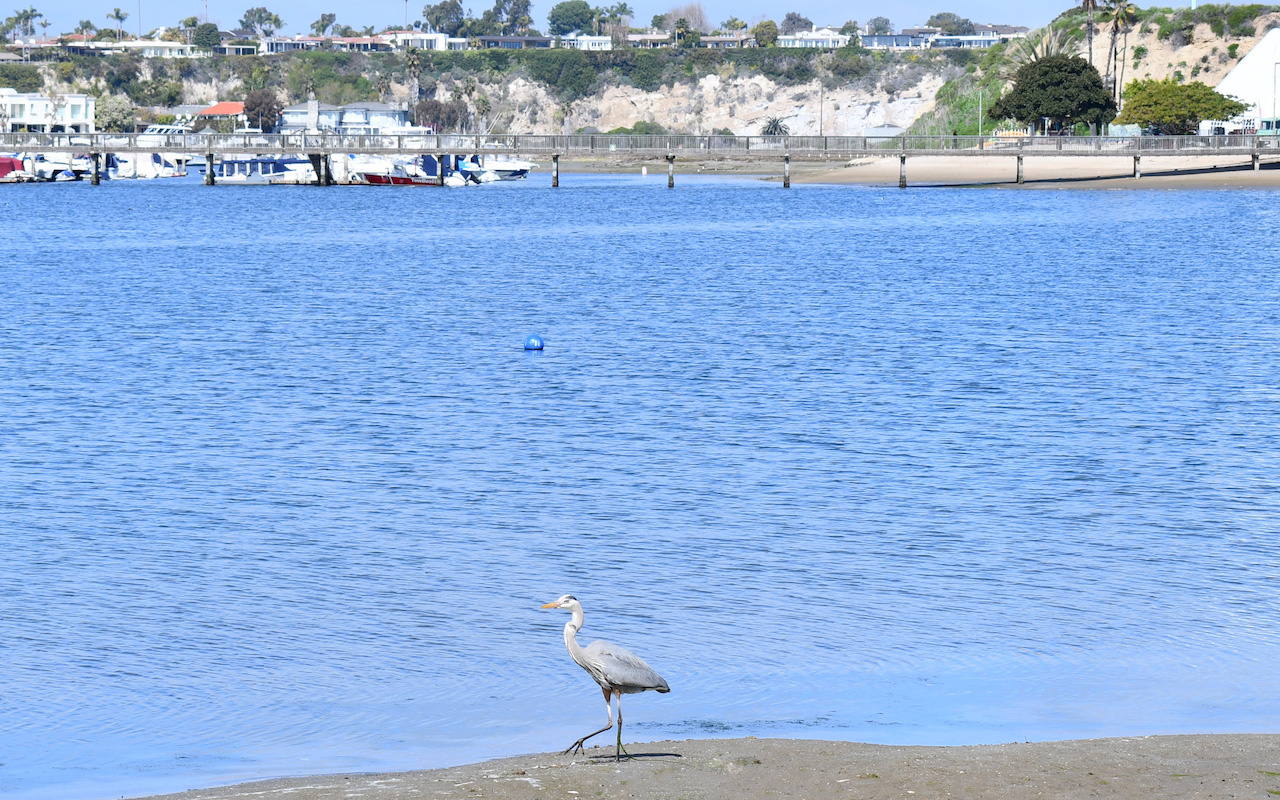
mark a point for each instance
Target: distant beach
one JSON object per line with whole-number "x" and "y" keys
{"x": 1052, "y": 172}
{"x": 727, "y": 769}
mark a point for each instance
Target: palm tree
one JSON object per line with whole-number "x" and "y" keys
{"x": 1126, "y": 14}
{"x": 85, "y": 28}
{"x": 412, "y": 65}
{"x": 774, "y": 126}
{"x": 681, "y": 28}
{"x": 1121, "y": 14}
{"x": 24, "y": 20}
{"x": 1090, "y": 6}
{"x": 1039, "y": 44}
{"x": 119, "y": 16}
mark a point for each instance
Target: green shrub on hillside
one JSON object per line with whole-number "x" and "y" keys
{"x": 22, "y": 77}
{"x": 646, "y": 71}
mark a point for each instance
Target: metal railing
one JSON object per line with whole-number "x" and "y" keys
{"x": 713, "y": 146}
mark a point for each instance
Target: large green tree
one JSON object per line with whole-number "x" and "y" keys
{"x": 1173, "y": 107}
{"x": 951, "y": 24}
{"x": 262, "y": 107}
{"x": 794, "y": 22}
{"x": 1066, "y": 89}
{"x": 263, "y": 22}
{"x": 880, "y": 25}
{"x": 322, "y": 25}
{"x": 113, "y": 114}
{"x": 766, "y": 33}
{"x": 569, "y": 16}
{"x": 444, "y": 17}
{"x": 206, "y": 36}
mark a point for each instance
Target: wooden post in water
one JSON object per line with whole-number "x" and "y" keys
{"x": 1257, "y": 164}
{"x": 902, "y": 171}
{"x": 95, "y": 177}
{"x": 208, "y": 169}
{"x": 555, "y": 171}
{"x": 1019, "y": 167}
{"x": 1137, "y": 166}
{"x": 671, "y": 171}
{"x": 786, "y": 171}
{"x": 440, "y": 169}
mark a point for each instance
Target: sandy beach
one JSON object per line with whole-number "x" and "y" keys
{"x": 1208, "y": 172}
{"x": 1053, "y": 173}
{"x": 1202, "y": 766}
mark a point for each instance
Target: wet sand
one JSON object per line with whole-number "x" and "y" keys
{"x": 1203, "y": 766}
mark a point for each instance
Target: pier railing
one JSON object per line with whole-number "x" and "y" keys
{"x": 681, "y": 147}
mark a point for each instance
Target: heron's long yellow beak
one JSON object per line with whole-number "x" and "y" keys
{"x": 551, "y": 605}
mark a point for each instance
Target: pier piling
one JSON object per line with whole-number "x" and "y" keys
{"x": 95, "y": 176}
{"x": 555, "y": 171}
{"x": 902, "y": 171}
{"x": 1020, "y": 173}
{"x": 1257, "y": 163}
{"x": 208, "y": 169}
{"x": 786, "y": 171}
{"x": 440, "y": 170}
{"x": 671, "y": 171}
{"x": 1137, "y": 166}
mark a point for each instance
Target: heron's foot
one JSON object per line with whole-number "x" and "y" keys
{"x": 576, "y": 748}
{"x": 618, "y": 756}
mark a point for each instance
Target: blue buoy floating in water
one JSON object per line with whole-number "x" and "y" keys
{"x": 533, "y": 342}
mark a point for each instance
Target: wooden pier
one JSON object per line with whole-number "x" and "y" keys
{"x": 778, "y": 150}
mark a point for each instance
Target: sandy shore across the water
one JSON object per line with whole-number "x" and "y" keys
{"x": 1199, "y": 766}
{"x": 1039, "y": 172}
{"x": 1055, "y": 173}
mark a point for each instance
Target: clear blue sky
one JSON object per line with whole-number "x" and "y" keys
{"x": 299, "y": 14}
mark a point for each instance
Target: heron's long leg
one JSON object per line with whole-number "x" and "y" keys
{"x": 617, "y": 754}
{"x": 609, "y": 708}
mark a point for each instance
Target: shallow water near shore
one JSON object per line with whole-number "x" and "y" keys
{"x": 281, "y": 492}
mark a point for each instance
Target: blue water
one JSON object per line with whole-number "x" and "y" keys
{"x": 281, "y": 492}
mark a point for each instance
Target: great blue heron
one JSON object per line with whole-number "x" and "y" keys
{"x": 618, "y": 670}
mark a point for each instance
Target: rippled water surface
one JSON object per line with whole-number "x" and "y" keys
{"x": 281, "y": 492}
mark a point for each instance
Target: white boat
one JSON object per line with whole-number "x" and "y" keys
{"x": 388, "y": 171}
{"x": 56, "y": 166}
{"x": 508, "y": 169}
{"x": 264, "y": 170}
{"x": 163, "y": 162}
{"x": 13, "y": 169}
{"x": 144, "y": 166}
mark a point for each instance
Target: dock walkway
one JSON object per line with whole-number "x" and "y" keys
{"x": 777, "y": 149}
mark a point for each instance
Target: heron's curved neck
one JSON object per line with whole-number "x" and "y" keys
{"x": 571, "y": 629}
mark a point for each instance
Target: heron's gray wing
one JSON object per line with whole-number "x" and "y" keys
{"x": 623, "y": 669}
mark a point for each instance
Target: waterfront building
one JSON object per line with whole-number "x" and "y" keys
{"x": 647, "y": 41}
{"x": 893, "y": 41}
{"x": 729, "y": 41}
{"x": 514, "y": 42}
{"x": 344, "y": 44}
{"x": 423, "y": 40}
{"x": 310, "y": 116}
{"x": 821, "y": 38}
{"x": 353, "y": 118}
{"x": 578, "y": 41}
{"x": 31, "y": 111}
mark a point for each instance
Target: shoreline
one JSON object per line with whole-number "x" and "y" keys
{"x": 1196, "y": 765}
{"x": 1000, "y": 172}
